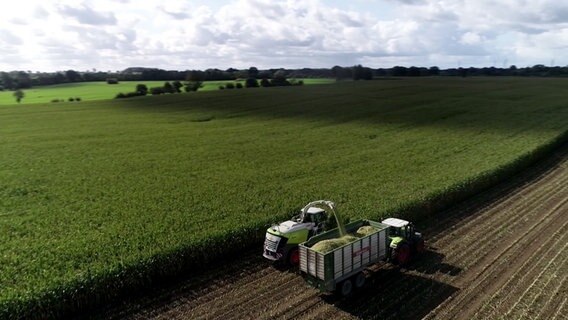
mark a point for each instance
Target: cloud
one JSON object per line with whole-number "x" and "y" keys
{"x": 471, "y": 38}
{"x": 504, "y": 15}
{"x": 178, "y": 12}
{"x": 287, "y": 33}
{"x": 98, "y": 39}
{"x": 290, "y": 33}
{"x": 86, "y": 15}
{"x": 8, "y": 38}
{"x": 40, "y": 13}
{"x": 409, "y": 2}
{"x": 18, "y": 21}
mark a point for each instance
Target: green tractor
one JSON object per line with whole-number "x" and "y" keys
{"x": 282, "y": 240}
{"x": 405, "y": 242}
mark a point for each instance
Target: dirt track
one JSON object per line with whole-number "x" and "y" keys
{"x": 502, "y": 254}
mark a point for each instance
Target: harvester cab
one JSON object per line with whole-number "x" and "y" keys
{"x": 316, "y": 217}
{"x": 406, "y": 242}
{"x": 282, "y": 240}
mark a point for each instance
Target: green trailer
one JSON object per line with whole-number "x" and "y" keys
{"x": 342, "y": 268}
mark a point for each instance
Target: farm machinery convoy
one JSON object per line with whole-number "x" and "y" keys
{"x": 310, "y": 241}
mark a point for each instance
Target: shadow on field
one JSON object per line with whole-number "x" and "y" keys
{"x": 165, "y": 295}
{"x": 432, "y": 262}
{"x": 492, "y": 104}
{"x": 393, "y": 293}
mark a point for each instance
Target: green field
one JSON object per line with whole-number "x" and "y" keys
{"x": 96, "y": 196}
{"x": 89, "y": 91}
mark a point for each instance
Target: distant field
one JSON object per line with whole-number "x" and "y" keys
{"x": 96, "y": 196}
{"x": 89, "y": 91}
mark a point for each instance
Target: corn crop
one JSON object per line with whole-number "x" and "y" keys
{"x": 100, "y": 198}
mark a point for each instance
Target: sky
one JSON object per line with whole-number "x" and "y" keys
{"x": 40, "y": 35}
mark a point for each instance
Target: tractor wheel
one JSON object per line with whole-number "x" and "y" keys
{"x": 420, "y": 248}
{"x": 294, "y": 257}
{"x": 402, "y": 254}
{"x": 346, "y": 288}
{"x": 360, "y": 280}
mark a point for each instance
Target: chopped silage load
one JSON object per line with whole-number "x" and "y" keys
{"x": 365, "y": 231}
{"x": 328, "y": 245}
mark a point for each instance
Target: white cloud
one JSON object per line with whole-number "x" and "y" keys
{"x": 84, "y": 14}
{"x": 8, "y": 38}
{"x": 471, "y": 38}
{"x": 114, "y": 34}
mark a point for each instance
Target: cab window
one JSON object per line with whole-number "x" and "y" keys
{"x": 394, "y": 231}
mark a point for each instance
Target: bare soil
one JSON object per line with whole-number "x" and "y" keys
{"x": 501, "y": 254}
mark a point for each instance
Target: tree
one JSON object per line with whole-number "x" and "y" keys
{"x": 23, "y": 80}
{"x": 195, "y": 75}
{"x": 72, "y": 76}
{"x": 279, "y": 79}
{"x": 434, "y": 71}
{"x": 7, "y": 81}
{"x": 362, "y": 73}
{"x": 177, "y": 86}
{"x": 19, "y": 95}
{"x": 142, "y": 89}
{"x": 264, "y": 83}
{"x": 398, "y": 71}
{"x": 341, "y": 73}
{"x": 157, "y": 90}
{"x": 168, "y": 88}
{"x": 192, "y": 86}
{"x": 251, "y": 83}
{"x": 253, "y": 72}
{"x": 413, "y": 72}
{"x": 295, "y": 82}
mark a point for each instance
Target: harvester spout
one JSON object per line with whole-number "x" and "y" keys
{"x": 330, "y": 207}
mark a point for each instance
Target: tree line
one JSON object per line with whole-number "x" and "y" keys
{"x": 14, "y": 80}
{"x": 194, "y": 82}
{"x": 168, "y": 87}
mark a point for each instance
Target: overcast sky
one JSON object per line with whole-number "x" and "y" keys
{"x": 41, "y": 35}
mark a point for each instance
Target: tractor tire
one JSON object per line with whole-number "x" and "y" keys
{"x": 360, "y": 280}
{"x": 420, "y": 247}
{"x": 402, "y": 254}
{"x": 294, "y": 257}
{"x": 346, "y": 288}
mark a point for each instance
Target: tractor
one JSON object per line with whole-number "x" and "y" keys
{"x": 405, "y": 242}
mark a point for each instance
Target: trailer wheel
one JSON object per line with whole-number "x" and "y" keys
{"x": 360, "y": 280}
{"x": 346, "y": 288}
{"x": 294, "y": 257}
{"x": 402, "y": 254}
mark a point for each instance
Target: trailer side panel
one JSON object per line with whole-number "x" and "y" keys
{"x": 326, "y": 270}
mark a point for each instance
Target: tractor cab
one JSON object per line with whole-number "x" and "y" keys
{"x": 405, "y": 241}
{"x": 400, "y": 228}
